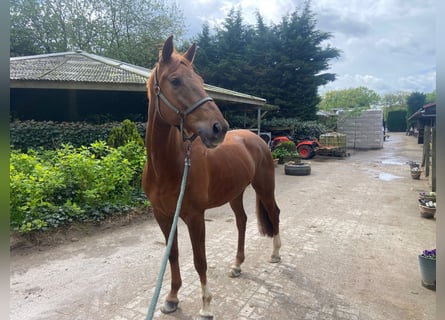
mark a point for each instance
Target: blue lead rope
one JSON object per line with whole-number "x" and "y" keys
{"x": 155, "y": 298}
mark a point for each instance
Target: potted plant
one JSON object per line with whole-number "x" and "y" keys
{"x": 286, "y": 151}
{"x": 428, "y": 196}
{"x": 427, "y": 208}
{"x": 427, "y": 264}
{"x": 415, "y": 173}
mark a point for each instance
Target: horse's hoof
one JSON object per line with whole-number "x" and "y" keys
{"x": 169, "y": 307}
{"x": 274, "y": 259}
{"x": 208, "y": 317}
{"x": 235, "y": 272}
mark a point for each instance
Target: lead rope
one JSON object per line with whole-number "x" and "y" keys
{"x": 155, "y": 298}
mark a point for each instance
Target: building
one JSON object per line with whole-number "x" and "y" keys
{"x": 424, "y": 117}
{"x": 76, "y": 86}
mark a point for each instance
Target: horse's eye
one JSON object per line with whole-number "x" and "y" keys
{"x": 175, "y": 82}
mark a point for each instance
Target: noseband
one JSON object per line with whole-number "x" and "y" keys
{"x": 181, "y": 113}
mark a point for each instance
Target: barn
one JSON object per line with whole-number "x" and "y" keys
{"x": 80, "y": 86}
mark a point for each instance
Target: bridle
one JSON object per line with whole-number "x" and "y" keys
{"x": 181, "y": 113}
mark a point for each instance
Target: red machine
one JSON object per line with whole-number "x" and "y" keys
{"x": 309, "y": 147}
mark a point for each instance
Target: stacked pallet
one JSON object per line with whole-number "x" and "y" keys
{"x": 364, "y": 131}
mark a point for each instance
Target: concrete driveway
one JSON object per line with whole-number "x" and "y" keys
{"x": 351, "y": 232}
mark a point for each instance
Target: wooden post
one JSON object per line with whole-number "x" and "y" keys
{"x": 426, "y": 149}
{"x": 433, "y": 164}
{"x": 259, "y": 120}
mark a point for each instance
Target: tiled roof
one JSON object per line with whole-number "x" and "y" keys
{"x": 83, "y": 68}
{"x": 73, "y": 66}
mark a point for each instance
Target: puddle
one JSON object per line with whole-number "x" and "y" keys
{"x": 387, "y": 176}
{"x": 394, "y": 162}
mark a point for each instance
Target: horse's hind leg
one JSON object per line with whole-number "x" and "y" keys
{"x": 241, "y": 219}
{"x": 268, "y": 213}
{"x": 171, "y": 301}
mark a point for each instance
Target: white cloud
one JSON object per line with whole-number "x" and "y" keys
{"x": 387, "y": 45}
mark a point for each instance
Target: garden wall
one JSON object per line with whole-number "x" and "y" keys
{"x": 364, "y": 131}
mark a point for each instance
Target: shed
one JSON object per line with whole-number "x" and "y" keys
{"x": 72, "y": 86}
{"x": 425, "y": 117}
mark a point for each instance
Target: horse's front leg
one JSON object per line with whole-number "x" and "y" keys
{"x": 241, "y": 220}
{"x": 196, "y": 228}
{"x": 171, "y": 301}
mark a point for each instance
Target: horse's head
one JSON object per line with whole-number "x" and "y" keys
{"x": 180, "y": 99}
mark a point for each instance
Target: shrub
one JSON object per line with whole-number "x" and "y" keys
{"x": 300, "y": 128}
{"x": 396, "y": 120}
{"x": 123, "y": 134}
{"x": 309, "y": 129}
{"x": 285, "y": 151}
{"x": 287, "y": 145}
{"x": 51, "y": 135}
{"x": 52, "y": 188}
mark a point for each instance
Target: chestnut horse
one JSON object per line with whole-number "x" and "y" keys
{"x": 223, "y": 164}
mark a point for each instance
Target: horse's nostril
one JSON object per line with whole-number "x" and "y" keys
{"x": 217, "y": 128}
{"x": 225, "y": 128}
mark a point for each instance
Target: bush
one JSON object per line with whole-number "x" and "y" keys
{"x": 52, "y": 135}
{"x": 396, "y": 120}
{"x": 300, "y": 128}
{"x": 285, "y": 151}
{"x": 53, "y": 188}
{"x": 123, "y": 134}
{"x": 309, "y": 129}
{"x": 287, "y": 145}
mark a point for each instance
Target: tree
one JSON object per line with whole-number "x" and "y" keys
{"x": 352, "y": 99}
{"x": 396, "y": 99}
{"x": 283, "y": 63}
{"x": 431, "y": 97}
{"x": 128, "y": 30}
{"x": 415, "y": 101}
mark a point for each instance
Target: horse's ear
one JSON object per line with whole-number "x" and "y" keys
{"x": 190, "y": 54}
{"x": 167, "y": 50}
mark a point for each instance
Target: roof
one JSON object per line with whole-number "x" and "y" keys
{"x": 426, "y": 111}
{"x": 86, "y": 71}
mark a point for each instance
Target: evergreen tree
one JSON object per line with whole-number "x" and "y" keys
{"x": 415, "y": 101}
{"x": 283, "y": 63}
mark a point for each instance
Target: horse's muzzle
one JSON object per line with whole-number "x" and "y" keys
{"x": 214, "y": 135}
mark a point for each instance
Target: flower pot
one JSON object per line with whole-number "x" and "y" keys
{"x": 427, "y": 212}
{"x": 428, "y": 272}
{"x": 415, "y": 174}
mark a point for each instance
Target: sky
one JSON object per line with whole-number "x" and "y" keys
{"x": 386, "y": 45}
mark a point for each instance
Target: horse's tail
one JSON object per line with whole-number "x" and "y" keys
{"x": 266, "y": 226}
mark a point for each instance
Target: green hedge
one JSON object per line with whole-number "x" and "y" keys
{"x": 49, "y": 188}
{"x": 396, "y": 120}
{"x": 300, "y": 128}
{"x": 52, "y": 135}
